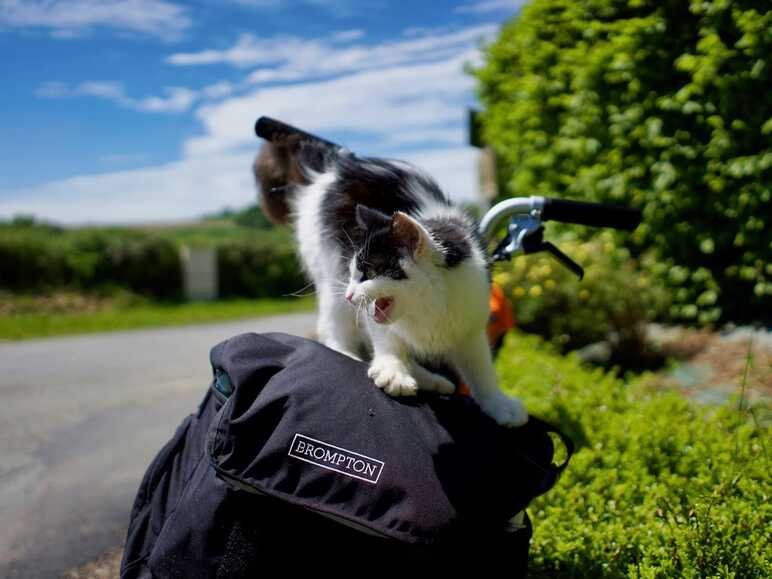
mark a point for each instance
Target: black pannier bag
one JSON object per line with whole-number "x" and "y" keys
{"x": 296, "y": 461}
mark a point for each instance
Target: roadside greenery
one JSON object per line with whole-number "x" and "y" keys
{"x": 658, "y": 486}
{"x": 25, "y": 317}
{"x": 38, "y": 257}
{"x": 660, "y": 105}
{"x": 255, "y": 259}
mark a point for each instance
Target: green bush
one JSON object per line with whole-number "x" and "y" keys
{"x": 30, "y": 260}
{"x": 614, "y": 300}
{"x": 661, "y": 105}
{"x": 39, "y": 258}
{"x": 658, "y": 487}
{"x": 143, "y": 263}
{"x": 261, "y": 266}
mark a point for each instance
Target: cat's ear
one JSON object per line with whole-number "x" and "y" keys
{"x": 369, "y": 219}
{"x": 411, "y": 235}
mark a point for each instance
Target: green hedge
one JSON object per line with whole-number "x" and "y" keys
{"x": 263, "y": 266}
{"x": 39, "y": 258}
{"x": 661, "y": 105}
{"x": 658, "y": 486}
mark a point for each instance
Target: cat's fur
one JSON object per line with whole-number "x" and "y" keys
{"x": 400, "y": 272}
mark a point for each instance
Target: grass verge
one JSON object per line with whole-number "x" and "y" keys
{"x": 19, "y": 325}
{"x": 658, "y": 486}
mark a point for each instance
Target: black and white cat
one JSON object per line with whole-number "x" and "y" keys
{"x": 401, "y": 274}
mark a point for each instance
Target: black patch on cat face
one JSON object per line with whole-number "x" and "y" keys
{"x": 454, "y": 237}
{"x": 380, "y": 252}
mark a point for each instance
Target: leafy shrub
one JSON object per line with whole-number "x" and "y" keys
{"x": 30, "y": 260}
{"x": 143, "y": 263}
{"x": 261, "y": 266}
{"x": 661, "y": 105}
{"x": 658, "y": 486}
{"x": 36, "y": 258}
{"x": 613, "y": 301}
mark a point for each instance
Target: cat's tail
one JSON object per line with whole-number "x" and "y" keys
{"x": 284, "y": 165}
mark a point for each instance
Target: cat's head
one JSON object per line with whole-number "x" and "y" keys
{"x": 394, "y": 266}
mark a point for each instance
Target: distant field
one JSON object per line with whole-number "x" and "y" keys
{"x": 105, "y": 316}
{"x": 227, "y": 226}
{"x": 255, "y": 259}
{"x": 213, "y": 231}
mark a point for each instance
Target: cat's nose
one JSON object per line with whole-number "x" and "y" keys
{"x": 349, "y": 296}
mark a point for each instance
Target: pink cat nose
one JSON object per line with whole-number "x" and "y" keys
{"x": 349, "y": 296}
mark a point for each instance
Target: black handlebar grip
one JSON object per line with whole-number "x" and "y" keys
{"x": 594, "y": 214}
{"x": 271, "y": 130}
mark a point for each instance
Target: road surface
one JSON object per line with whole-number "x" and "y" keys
{"x": 80, "y": 419}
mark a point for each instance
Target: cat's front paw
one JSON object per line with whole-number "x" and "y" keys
{"x": 505, "y": 410}
{"x": 392, "y": 376}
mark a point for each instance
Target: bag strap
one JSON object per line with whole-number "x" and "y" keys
{"x": 552, "y": 471}
{"x": 567, "y": 442}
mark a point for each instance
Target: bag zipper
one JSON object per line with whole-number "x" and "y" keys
{"x": 242, "y": 486}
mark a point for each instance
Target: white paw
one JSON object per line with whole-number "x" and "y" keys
{"x": 505, "y": 410}
{"x": 392, "y": 376}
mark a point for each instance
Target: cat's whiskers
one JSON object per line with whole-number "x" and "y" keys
{"x": 351, "y": 241}
{"x": 299, "y": 294}
{"x": 368, "y": 238}
{"x": 361, "y": 307}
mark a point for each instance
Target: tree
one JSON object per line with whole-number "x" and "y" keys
{"x": 666, "y": 106}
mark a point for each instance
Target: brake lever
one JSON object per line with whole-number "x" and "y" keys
{"x": 502, "y": 251}
{"x": 563, "y": 258}
{"x": 526, "y": 234}
{"x": 534, "y": 243}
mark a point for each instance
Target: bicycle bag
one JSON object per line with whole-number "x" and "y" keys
{"x": 296, "y": 458}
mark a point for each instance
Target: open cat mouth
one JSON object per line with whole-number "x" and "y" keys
{"x": 382, "y": 309}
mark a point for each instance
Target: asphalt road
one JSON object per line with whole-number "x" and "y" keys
{"x": 80, "y": 419}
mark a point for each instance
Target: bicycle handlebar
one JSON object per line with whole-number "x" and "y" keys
{"x": 552, "y": 209}
{"x": 593, "y": 214}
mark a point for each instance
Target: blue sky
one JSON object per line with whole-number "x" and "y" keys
{"x": 118, "y": 111}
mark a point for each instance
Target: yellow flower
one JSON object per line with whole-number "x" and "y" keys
{"x": 502, "y": 278}
{"x": 584, "y": 295}
{"x": 535, "y": 291}
{"x": 550, "y": 284}
{"x": 519, "y": 292}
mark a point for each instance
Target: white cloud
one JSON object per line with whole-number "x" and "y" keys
{"x": 408, "y": 107}
{"x": 488, "y": 6}
{"x": 380, "y": 104}
{"x": 347, "y": 35}
{"x": 455, "y": 169}
{"x": 189, "y": 188}
{"x": 175, "y": 99}
{"x": 180, "y": 190}
{"x": 285, "y": 58}
{"x": 218, "y": 90}
{"x": 68, "y": 18}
